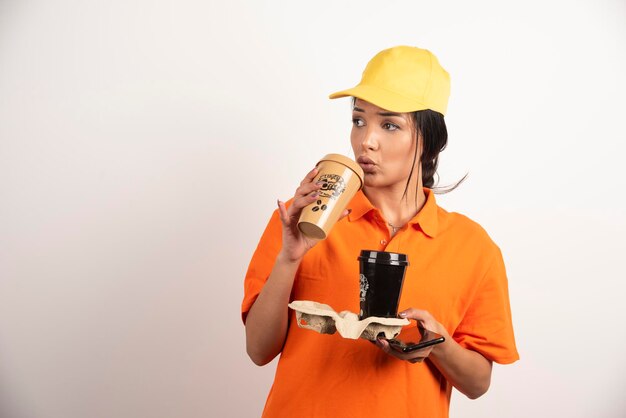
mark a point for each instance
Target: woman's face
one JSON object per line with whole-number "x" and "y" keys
{"x": 384, "y": 144}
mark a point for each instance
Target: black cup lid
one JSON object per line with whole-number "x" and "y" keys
{"x": 383, "y": 257}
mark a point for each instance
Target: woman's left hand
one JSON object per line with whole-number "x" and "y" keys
{"x": 426, "y": 320}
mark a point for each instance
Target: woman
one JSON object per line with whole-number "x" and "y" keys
{"x": 456, "y": 284}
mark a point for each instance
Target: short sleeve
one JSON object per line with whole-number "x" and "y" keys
{"x": 261, "y": 263}
{"x": 487, "y": 325}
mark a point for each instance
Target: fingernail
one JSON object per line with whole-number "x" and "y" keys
{"x": 314, "y": 194}
{"x": 402, "y": 314}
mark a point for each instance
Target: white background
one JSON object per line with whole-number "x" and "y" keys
{"x": 143, "y": 145}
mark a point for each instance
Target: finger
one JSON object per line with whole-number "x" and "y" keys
{"x": 384, "y": 345}
{"x": 307, "y": 189}
{"x": 309, "y": 177}
{"x": 417, "y": 314}
{"x": 282, "y": 212}
{"x": 424, "y": 318}
{"x": 300, "y": 203}
{"x": 345, "y": 213}
{"x": 305, "y": 195}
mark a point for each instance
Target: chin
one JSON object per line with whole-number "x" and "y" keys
{"x": 372, "y": 181}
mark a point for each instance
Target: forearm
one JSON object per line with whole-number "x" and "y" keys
{"x": 466, "y": 370}
{"x": 267, "y": 320}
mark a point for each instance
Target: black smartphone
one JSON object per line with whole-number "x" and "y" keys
{"x": 414, "y": 338}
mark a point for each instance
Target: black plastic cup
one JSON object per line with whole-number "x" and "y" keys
{"x": 381, "y": 279}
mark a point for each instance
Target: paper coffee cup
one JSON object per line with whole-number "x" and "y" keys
{"x": 341, "y": 178}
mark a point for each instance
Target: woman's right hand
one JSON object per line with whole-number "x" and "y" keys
{"x": 296, "y": 244}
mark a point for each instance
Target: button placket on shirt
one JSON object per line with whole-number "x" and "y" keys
{"x": 385, "y": 240}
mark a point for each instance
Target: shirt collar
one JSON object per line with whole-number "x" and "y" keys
{"x": 426, "y": 218}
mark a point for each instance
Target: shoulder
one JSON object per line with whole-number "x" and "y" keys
{"x": 461, "y": 228}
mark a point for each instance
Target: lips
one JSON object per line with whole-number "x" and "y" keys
{"x": 366, "y": 164}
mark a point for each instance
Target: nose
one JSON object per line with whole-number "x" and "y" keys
{"x": 369, "y": 140}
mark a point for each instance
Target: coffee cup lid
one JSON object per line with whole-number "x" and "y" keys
{"x": 351, "y": 164}
{"x": 383, "y": 257}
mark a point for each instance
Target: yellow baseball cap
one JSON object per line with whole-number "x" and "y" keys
{"x": 403, "y": 79}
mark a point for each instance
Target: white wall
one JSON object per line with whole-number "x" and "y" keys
{"x": 143, "y": 145}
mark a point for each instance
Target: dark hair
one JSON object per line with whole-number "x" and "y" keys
{"x": 432, "y": 127}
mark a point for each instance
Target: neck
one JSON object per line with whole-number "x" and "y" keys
{"x": 396, "y": 208}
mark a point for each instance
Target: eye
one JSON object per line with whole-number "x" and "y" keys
{"x": 390, "y": 126}
{"x": 358, "y": 122}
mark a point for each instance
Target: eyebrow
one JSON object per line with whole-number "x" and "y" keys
{"x": 358, "y": 109}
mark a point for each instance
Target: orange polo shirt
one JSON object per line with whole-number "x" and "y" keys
{"x": 456, "y": 273}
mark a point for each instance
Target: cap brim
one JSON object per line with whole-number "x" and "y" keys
{"x": 384, "y": 99}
